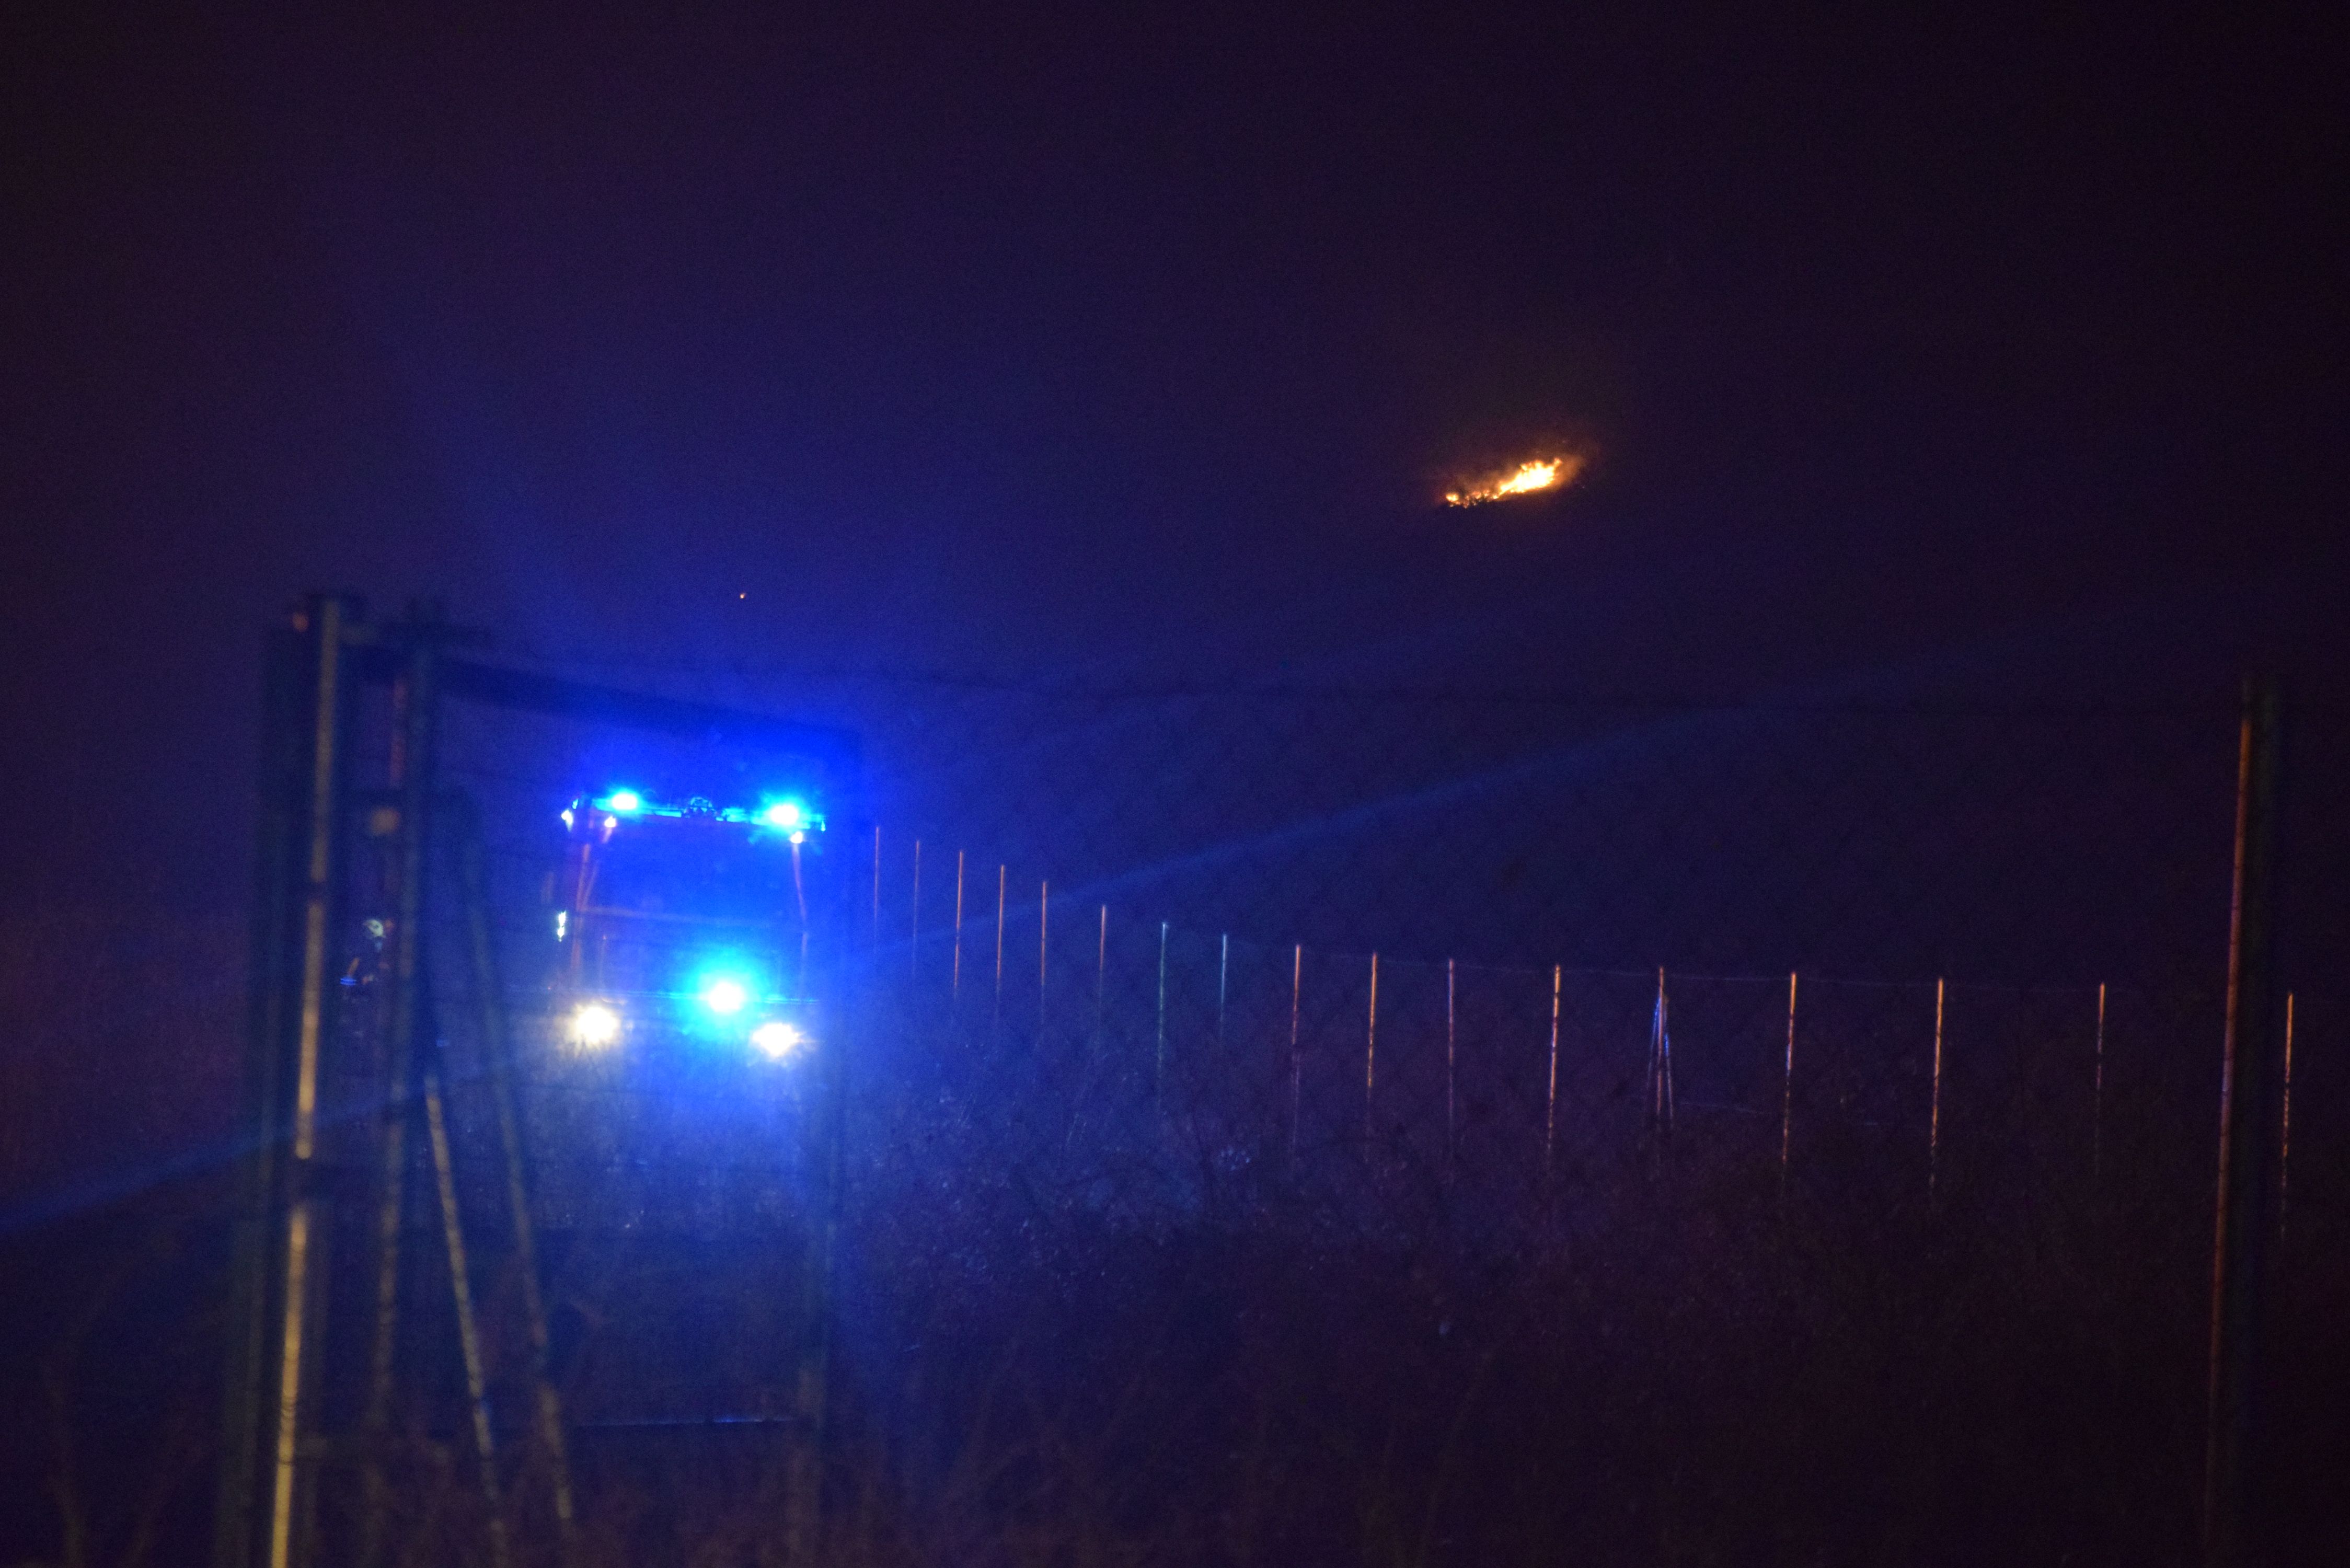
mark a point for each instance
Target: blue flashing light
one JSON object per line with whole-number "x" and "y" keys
{"x": 791, "y": 817}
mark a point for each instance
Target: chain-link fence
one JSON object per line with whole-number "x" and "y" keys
{"x": 1381, "y": 1125}
{"x": 1663, "y": 1134}
{"x": 1315, "y": 1125}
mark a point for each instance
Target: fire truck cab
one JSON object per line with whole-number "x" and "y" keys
{"x": 682, "y": 925}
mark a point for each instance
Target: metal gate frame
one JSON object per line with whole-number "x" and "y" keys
{"x": 317, "y": 665}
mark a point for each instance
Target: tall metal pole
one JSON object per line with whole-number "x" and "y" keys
{"x": 489, "y": 1001}
{"x": 469, "y": 1331}
{"x": 303, "y": 1229}
{"x": 276, "y": 862}
{"x": 2246, "y": 1075}
{"x": 418, "y": 702}
{"x": 274, "y": 1329}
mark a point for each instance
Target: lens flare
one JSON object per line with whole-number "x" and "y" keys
{"x": 725, "y": 997}
{"x": 1526, "y": 479}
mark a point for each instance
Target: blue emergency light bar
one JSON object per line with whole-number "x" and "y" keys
{"x": 782, "y": 813}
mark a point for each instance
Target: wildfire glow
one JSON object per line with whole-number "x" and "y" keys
{"x": 1543, "y": 473}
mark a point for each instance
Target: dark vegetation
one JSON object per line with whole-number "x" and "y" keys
{"x": 1113, "y": 1287}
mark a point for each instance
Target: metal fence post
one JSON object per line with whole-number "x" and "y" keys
{"x": 273, "y": 1323}
{"x": 1787, "y": 1095}
{"x": 2241, "y": 1228}
{"x": 418, "y": 703}
{"x": 852, "y": 990}
{"x": 301, "y": 788}
{"x": 497, "y": 1051}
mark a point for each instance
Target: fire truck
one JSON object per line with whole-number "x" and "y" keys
{"x": 682, "y": 927}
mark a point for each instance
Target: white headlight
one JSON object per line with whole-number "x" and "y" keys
{"x": 593, "y": 1023}
{"x": 778, "y": 1039}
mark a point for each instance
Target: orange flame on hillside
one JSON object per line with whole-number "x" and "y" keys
{"x": 1541, "y": 474}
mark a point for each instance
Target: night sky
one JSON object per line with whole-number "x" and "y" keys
{"x": 1079, "y": 345}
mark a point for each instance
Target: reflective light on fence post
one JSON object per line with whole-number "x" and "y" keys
{"x": 2284, "y": 1128}
{"x": 1550, "y": 1102}
{"x": 1934, "y": 1120}
{"x": 1296, "y": 1067}
{"x": 1659, "y": 1096}
{"x": 1787, "y": 1094}
{"x": 1449, "y": 1041}
{"x": 1223, "y": 978}
{"x": 2098, "y": 1101}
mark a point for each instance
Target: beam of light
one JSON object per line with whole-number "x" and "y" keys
{"x": 1527, "y": 478}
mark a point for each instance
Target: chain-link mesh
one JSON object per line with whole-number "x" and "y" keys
{"x": 1350, "y": 1126}
{"x": 1347, "y": 1126}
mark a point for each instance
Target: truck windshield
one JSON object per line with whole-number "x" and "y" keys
{"x": 697, "y": 872}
